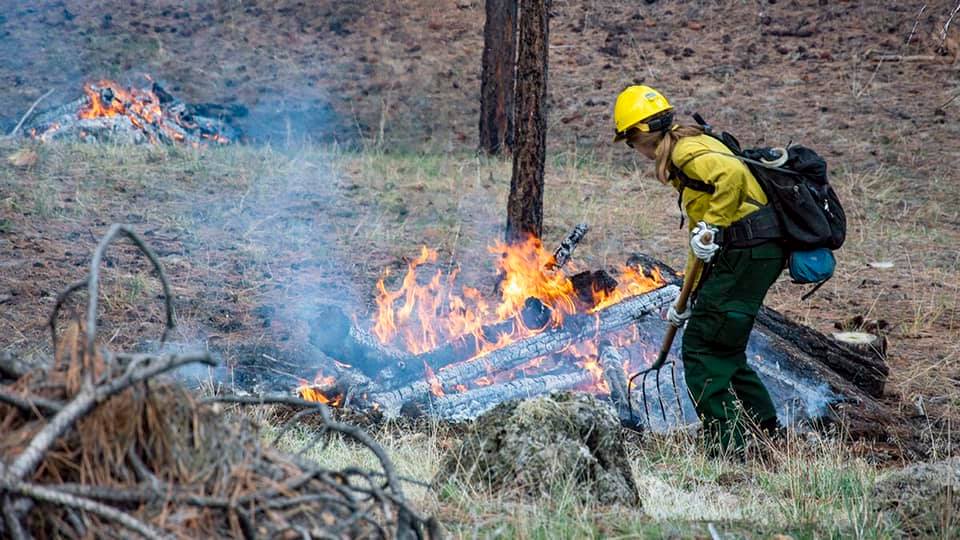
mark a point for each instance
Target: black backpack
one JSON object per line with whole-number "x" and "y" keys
{"x": 807, "y": 207}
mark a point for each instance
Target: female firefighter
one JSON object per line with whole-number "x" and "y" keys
{"x": 733, "y": 231}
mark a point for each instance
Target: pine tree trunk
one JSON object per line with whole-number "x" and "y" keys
{"x": 525, "y": 204}
{"x": 498, "y": 76}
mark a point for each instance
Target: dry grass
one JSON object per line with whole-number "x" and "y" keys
{"x": 811, "y": 487}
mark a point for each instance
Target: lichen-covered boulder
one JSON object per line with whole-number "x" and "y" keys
{"x": 541, "y": 446}
{"x": 923, "y": 498}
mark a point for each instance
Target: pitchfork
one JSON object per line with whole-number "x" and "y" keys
{"x": 681, "y": 305}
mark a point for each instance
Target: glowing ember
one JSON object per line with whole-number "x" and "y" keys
{"x": 310, "y": 392}
{"x": 435, "y": 387}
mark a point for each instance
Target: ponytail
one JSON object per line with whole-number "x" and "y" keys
{"x": 664, "y": 164}
{"x": 665, "y": 142}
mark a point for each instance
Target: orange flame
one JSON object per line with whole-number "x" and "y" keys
{"x": 435, "y": 387}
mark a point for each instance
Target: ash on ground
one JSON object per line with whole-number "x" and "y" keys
{"x": 543, "y": 445}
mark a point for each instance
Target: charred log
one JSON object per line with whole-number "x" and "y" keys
{"x": 588, "y": 284}
{"x": 473, "y": 403}
{"x": 563, "y": 253}
{"x": 334, "y": 334}
{"x": 646, "y": 264}
{"x": 867, "y": 372}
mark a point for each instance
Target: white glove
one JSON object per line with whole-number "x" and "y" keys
{"x": 678, "y": 319}
{"x": 702, "y": 241}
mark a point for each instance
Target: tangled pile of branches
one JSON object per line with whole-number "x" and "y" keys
{"x": 95, "y": 444}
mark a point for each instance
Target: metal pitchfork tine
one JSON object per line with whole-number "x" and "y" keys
{"x": 688, "y": 283}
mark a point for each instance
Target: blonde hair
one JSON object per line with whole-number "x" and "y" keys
{"x": 665, "y": 143}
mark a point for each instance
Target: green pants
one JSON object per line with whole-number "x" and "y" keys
{"x": 727, "y": 393}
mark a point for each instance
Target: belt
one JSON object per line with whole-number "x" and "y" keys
{"x": 752, "y": 230}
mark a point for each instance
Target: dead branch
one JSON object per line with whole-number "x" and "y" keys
{"x": 54, "y": 496}
{"x": 33, "y": 405}
{"x": 93, "y": 283}
{"x": 28, "y": 113}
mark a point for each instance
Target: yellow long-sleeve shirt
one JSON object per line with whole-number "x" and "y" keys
{"x": 736, "y": 192}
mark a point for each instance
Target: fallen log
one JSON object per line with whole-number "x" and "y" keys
{"x": 867, "y": 372}
{"x": 575, "y": 329}
{"x": 335, "y": 335}
{"x": 472, "y": 403}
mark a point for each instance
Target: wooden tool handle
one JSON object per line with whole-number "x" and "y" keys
{"x": 681, "y": 305}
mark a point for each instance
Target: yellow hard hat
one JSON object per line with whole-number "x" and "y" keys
{"x": 636, "y": 104}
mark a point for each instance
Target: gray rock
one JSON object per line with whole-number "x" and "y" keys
{"x": 536, "y": 446}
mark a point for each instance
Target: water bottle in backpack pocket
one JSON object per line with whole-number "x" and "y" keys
{"x": 811, "y": 266}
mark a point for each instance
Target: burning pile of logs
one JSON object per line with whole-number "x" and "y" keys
{"x": 108, "y": 112}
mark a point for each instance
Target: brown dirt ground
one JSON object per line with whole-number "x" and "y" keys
{"x": 404, "y": 76}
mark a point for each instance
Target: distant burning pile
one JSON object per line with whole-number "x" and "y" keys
{"x": 108, "y": 112}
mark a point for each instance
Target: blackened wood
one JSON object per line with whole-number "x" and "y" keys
{"x": 498, "y": 76}
{"x": 645, "y": 264}
{"x": 587, "y": 284}
{"x": 525, "y": 203}
{"x": 334, "y": 334}
{"x": 867, "y": 372}
{"x": 563, "y": 253}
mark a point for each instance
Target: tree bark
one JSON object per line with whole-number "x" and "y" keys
{"x": 525, "y": 204}
{"x": 868, "y": 372}
{"x": 498, "y": 76}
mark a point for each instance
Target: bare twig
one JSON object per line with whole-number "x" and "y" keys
{"x": 28, "y": 113}
{"x": 12, "y": 522}
{"x": 93, "y": 283}
{"x": 49, "y": 495}
{"x": 946, "y": 26}
{"x": 949, "y": 101}
{"x": 31, "y": 405}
